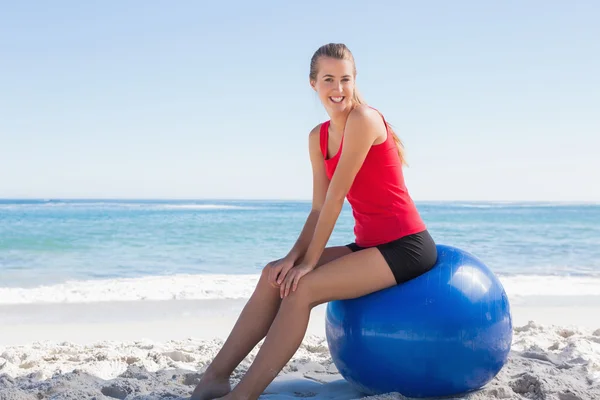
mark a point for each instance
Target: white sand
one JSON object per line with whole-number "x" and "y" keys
{"x": 158, "y": 350}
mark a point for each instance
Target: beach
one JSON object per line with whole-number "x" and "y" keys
{"x": 133, "y": 299}
{"x": 159, "y": 349}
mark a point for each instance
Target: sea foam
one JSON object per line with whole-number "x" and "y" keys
{"x": 213, "y": 286}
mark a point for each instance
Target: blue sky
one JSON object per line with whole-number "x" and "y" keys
{"x": 195, "y": 99}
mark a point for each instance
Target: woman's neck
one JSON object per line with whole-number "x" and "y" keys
{"x": 338, "y": 123}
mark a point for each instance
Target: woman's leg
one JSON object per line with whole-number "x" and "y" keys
{"x": 251, "y": 327}
{"x": 351, "y": 276}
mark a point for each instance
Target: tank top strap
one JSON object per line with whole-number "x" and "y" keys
{"x": 387, "y": 127}
{"x": 324, "y": 138}
{"x": 380, "y": 114}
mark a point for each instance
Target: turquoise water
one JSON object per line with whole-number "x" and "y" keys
{"x": 51, "y": 242}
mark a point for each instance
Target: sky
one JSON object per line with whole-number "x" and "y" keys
{"x": 494, "y": 101}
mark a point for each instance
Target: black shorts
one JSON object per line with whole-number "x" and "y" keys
{"x": 409, "y": 256}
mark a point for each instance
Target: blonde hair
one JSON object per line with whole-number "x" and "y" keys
{"x": 339, "y": 51}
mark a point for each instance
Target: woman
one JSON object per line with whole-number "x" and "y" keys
{"x": 354, "y": 155}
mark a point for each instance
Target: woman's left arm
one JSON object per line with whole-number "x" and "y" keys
{"x": 362, "y": 129}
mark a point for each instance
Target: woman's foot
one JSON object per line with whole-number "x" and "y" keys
{"x": 211, "y": 387}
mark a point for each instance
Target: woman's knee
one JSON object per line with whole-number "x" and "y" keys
{"x": 303, "y": 296}
{"x": 265, "y": 271}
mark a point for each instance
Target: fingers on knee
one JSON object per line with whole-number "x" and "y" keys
{"x": 303, "y": 295}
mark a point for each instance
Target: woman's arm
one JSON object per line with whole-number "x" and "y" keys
{"x": 320, "y": 185}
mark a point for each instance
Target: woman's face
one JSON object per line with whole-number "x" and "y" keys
{"x": 335, "y": 84}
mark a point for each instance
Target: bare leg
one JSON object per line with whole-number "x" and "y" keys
{"x": 251, "y": 327}
{"x": 350, "y": 276}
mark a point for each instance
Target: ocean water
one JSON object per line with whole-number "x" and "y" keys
{"x": 103, "y": 250}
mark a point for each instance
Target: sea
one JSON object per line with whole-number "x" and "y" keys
{"x": 73, "y": 251}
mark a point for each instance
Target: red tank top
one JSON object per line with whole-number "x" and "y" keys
{"x": 381, "y": 205}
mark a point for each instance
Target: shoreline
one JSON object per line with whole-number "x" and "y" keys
{"x": 213, "y": 318}
{"x": 84, "y": 323}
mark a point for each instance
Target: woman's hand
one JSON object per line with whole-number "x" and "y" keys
{"x": 293, "y": 277}
{"x": 278, "y": 269}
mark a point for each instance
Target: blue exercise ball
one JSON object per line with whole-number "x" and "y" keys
{"x": 446, "y": 332}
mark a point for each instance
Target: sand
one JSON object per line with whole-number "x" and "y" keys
{"x": 159, "y": 350}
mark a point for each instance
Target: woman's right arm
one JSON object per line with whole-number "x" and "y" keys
{"x": 320, "y": 185}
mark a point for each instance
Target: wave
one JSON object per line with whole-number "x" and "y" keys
{"x": 124, "y": 205}
{"x": 206, "y": 207}
{"x": 197, "y": 287}
{"x": 203, "y": 287}
{"x": 511, "y": 204}
{"x": 551, "y": 285}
